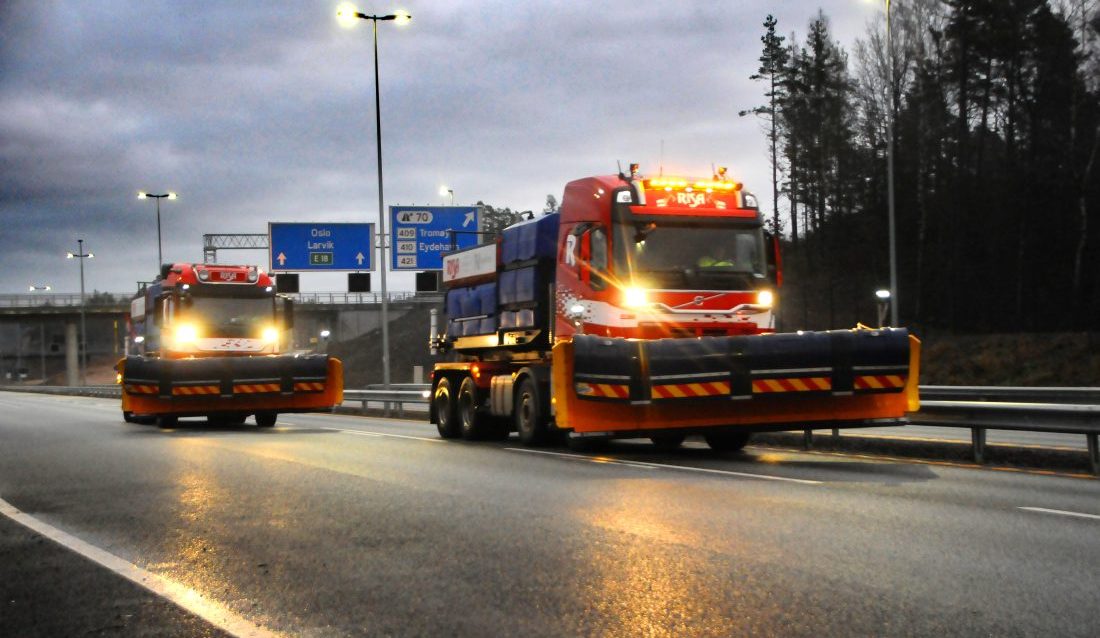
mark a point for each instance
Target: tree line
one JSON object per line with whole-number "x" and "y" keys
{"x": 996, "y": 132}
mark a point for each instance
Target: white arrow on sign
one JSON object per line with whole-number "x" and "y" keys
{"x": 281, "y": 259}
{"x": 469, "y": 219}
{"x": 359, "y": 258}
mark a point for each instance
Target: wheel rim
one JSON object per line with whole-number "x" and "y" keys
{"x": 525, "y": 412}
{"x": 442, "y": 408}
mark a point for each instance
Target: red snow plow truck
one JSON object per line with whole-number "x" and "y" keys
{"x": 206, "y": 341}
{"x": 644, "y": 308}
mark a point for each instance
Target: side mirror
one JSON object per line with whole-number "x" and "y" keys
{"x": 287, "y": 312}
{"x": 774, "y": 259}
{"x": 584, "y": 263}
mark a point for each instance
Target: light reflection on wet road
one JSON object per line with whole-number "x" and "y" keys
{"x": 309, "y": 530}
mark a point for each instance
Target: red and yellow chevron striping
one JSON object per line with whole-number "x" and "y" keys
{"x": 794, "y": 384}
{"x": 309, "y": 386}
{"x": 255, "y": 388}
{"x": 603, "y": 390}
{"x": 194, "y": 390}
{"x": 690, "y": 390}
{"x": 141, "y": 388}
{"x": 878, "y": 382}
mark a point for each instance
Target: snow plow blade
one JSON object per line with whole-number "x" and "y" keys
{"x": 230, "y": 385}
{"x": 836, "y": 378}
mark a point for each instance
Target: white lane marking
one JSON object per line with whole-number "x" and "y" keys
{"x": 395, "y": 436}
{"x": 662, "y": 466}
{"x": 183, "y": 596}
{"x": 1044, "y": 510}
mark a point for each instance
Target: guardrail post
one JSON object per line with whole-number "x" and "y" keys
{"x": 807, "y": 439}
{"x": 364, "y": 408}
{"x": 836, "y": 435}
{"x": 1094, "y": 453}
{"x": 977, "y": 441}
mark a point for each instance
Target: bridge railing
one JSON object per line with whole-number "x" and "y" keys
{"x": 38, "y": 300}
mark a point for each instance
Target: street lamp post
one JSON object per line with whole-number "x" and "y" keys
{"x": 444, "y": 191}
{"x": 144, "y": 195}
{"x": 349, "y": 16}
{"x": 81, "y": 255}
{"x": 890, "y": 169}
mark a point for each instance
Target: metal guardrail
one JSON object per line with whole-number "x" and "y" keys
{"x": 398, "y": 395}
{"x": 986, "y": 408}
{"x": 1016, "y": 394}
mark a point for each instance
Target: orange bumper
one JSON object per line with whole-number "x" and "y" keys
{"x": 774, "y": 405}
{"x": 234, "y": 393}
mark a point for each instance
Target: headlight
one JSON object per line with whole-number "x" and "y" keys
{"x": 635, "y": 297}
{"x": 186, "y": 333}
{"x": 270, "y": 335}
{"x": 764, "y": 298}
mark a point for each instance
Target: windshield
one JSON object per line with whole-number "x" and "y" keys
{"x": 232, "y": 317}
{"x": 681, "y": 256}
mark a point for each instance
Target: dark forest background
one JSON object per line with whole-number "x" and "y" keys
{"x": 996, "y": 135}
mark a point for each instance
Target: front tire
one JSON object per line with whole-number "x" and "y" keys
{"x": 266, "y": 419}
{"x": 446, "y": 414}
{"x": 727, "y": 441}
{"x": 530, "y": 414}
{"x": 128, "y": 417}
{"x": 166, "y": 421}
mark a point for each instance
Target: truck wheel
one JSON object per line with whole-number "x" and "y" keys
{"x": 446, "y": 419}
{"x": 167, "y": 421}
{"x": 530, "y": 415}
{"x": 128, "y": 417}
{"x": 667, "y": 442}
{"x": 266, "y": 419}
{"x": 473, "y": 425}
{"x": 727, "y": 441}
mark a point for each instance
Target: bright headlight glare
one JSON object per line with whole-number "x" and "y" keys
{"x": 270, "y": 334}
{"x": 186, "y": 333}
{"x": 765, "y": 298}
{"x": 634, "y": 297}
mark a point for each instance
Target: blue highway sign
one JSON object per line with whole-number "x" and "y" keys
{"x": 421, "y": 234}
{"x": 296, "y": 247}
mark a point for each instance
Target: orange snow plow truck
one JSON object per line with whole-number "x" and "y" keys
{"x": 644, "y": 308}
{"x": 205, "y": 341}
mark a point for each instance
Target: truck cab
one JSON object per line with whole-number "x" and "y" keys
{"x": 664, "y": 257}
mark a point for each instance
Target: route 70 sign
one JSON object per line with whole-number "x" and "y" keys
{"x": 422, "y": 234}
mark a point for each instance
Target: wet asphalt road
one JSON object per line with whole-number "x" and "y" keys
{"x": 331, "y": 525}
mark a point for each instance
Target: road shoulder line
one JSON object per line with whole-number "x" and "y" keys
{"x": 1043, "y": 510}
{"x": 663, "y": 466}
{"x": 177, "y": 593}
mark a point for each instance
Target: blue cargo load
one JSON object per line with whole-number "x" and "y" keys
{"x": 531, "y": 239}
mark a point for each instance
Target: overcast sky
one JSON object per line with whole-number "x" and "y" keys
{"x": 263, "y": 111}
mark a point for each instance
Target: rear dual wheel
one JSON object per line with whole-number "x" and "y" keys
{"x": 476, "y": 426}
{"x": 266, "y": 419}
{"x": 446, "y": 410}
